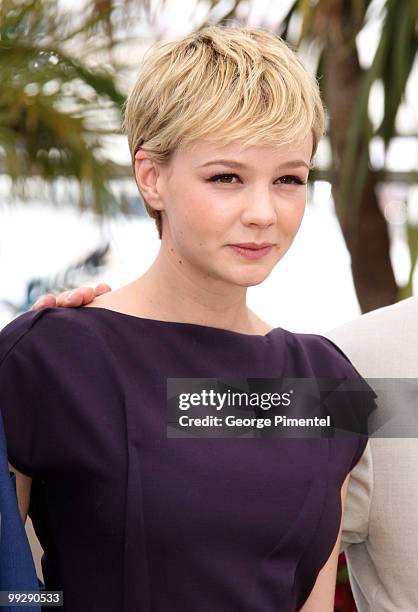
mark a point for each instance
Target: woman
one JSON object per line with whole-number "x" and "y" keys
{"x": 222, "y": 127}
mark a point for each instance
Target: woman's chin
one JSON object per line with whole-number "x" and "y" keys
{"x": 249, "y": 279}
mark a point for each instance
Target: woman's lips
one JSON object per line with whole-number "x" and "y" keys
{"x": 252, "y": 253}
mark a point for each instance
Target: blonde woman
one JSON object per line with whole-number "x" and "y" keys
{"x": 222, "y": 126}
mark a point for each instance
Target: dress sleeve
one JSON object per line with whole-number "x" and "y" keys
{"x": 358, "y": 404}
{"x": 54, "y": 379}
{"x": 24, "y": 393}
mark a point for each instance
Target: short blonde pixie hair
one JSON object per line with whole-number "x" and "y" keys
{"x": 244, "y": 83}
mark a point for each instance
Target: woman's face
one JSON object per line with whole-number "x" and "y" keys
{"x": 255, "y": 195}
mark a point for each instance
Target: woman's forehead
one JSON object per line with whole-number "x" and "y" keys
{"x": 204, "y": 152}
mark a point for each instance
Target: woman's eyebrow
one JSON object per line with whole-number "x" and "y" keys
{"x": 235, "y": 164}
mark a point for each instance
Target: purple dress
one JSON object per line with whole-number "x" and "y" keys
{"x": 133, "y": 521}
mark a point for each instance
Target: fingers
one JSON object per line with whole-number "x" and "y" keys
{"x": 75, "y": 297}
{"x": 45, "y": 301}
{"x": 71, "y": 299}
{"x": 102, "y": 288}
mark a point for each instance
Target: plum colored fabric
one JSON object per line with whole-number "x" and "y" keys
{"x": 133, "y": 521}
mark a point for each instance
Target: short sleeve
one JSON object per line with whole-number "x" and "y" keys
{"x": 22, "y": 388}
{"x": 359, "y": 404}
{"x": 54, "y": 380}
{"x": 350, "y": 369}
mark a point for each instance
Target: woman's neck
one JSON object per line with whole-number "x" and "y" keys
{"x": 159, "y": 295}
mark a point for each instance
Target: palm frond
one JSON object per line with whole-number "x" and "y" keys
{"x": 46, "y": 99}
{"x": 401, "y": 28}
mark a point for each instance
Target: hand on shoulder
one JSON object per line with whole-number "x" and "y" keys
{"x": 71, "y": 298}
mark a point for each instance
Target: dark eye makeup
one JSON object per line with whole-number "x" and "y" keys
{"x": 214, "y": 179}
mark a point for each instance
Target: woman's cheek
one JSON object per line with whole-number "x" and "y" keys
{"x": 213, "y": 216}
{"x": 290, "y": 225}
{"x": 294, "y": 209}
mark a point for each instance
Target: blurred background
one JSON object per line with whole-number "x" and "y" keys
{"x": 70, "y": 213}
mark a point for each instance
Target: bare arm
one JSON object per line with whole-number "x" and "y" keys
{"x": 322, "y": 595}
{"x": 23, "y": 487}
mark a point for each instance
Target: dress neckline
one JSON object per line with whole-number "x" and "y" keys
{"x": 197, "y": 326}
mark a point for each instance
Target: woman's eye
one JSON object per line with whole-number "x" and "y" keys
{"x": 215, "y": 179}
{"x": 296, "y": 180}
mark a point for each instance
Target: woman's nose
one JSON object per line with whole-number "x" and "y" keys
{"x": 259, "y": 208}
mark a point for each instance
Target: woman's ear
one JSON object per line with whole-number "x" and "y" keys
{"x": 148, "y": 179}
